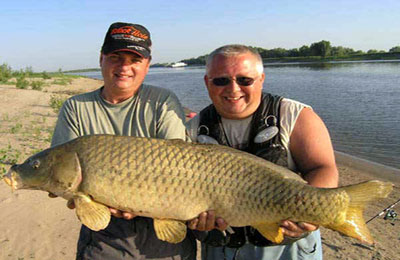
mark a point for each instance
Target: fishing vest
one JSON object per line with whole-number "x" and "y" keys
{"x": 271, "y": 150}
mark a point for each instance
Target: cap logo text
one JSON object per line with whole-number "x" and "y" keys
{"x": 130, "y": 31}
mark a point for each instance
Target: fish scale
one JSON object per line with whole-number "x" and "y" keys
{"x": 173, "y": 181}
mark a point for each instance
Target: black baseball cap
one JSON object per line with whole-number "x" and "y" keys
{"x": 127, "y": 37}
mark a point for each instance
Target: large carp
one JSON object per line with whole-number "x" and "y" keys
{"x": 172, "y": 181}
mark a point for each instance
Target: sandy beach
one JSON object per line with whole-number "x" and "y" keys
{"x": 34, "y": 226}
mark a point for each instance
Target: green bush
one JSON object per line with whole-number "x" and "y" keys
{"x": 56, "y": 103}
{"x": 15, "y": 129}
{"x": 46, "y": 75}
{"x": 22, "y": 83}
{"x": 37, "y": 84}
{"x": 5, "y": 73}
{"x": 62, "y": 81}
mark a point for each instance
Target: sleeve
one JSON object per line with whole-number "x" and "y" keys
{"x": 290, "y": 111}
{"x": 191, "y": 128}
{"x": 67, "y": 124}
{"x": 171, "y": 120}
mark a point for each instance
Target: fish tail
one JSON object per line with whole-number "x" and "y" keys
{"x": 361, "y": 194}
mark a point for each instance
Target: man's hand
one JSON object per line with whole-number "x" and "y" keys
{"x": 121, "y": 214}
{"x": 295, "y": 230}
{"x": 207, "y": 221}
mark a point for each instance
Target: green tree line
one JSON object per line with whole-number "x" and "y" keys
{"x": 322, "y": 49}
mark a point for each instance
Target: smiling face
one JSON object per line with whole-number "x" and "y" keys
{"x": 234, "y": 101}
{"x": 123, "y": 73}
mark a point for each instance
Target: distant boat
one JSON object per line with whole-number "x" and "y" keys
{"x": 178, "y": 64}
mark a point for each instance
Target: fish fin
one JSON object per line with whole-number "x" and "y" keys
{"x": 354, "y": 226}
{"x": 92, "y": 214}
{"x": 67, "y": 173}
{"x": 360, "y": 194}
{"x": 172, "y": 231}
{"x": 271, "y": 231}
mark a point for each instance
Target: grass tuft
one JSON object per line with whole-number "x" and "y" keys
{"x": 62, "y": 81}
{"x": 37, "y": 84}
{"x": 8, "y": 156}
{"x": 22, "y": 83}
{"x": 56, "y": 102}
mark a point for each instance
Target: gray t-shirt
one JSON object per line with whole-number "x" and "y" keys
{"x": 152, "y": 112}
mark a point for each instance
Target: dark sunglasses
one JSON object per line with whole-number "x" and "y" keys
{"x": 223, "y": 81}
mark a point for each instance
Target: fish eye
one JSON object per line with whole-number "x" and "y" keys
{"x": 35, "y": 164}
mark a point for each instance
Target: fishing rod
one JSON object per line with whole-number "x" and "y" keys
{"x": 388, "y": 210}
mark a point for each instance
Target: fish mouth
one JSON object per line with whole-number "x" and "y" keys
{"x": 11, "y": 179}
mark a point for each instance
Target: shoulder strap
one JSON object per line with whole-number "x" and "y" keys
{"x": 213, "y": 125}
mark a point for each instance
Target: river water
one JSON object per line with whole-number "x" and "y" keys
{"x": 358, "y": 101}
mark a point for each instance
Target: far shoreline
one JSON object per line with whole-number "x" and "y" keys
{"x": 266, "y": 63}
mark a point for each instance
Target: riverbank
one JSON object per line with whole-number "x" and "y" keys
{"x": 34, "y": 226}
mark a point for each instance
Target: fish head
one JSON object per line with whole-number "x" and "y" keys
{"x": 55, "y": 170}
{"x": 31, "y": 174}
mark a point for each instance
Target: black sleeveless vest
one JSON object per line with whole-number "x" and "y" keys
{"x": 271, "y": 150}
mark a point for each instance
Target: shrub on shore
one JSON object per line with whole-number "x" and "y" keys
{"x": 56, "y": 102}
{"x": 62, "y": 81}
{"x": 37, "y": 84}
{"x": 22, "y": 83}
{"x": 5, "y": 73}
{"x": 46, "y": 75}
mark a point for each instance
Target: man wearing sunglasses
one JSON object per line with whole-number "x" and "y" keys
{"x": 277, "y": 129}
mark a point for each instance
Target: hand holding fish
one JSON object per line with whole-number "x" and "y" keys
{"x": 207, "y": 221}
{"x": 294, "y": 230}
{"x": 122, "y": 214}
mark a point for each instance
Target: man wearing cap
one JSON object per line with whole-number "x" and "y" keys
{"x": 125, "y": 106}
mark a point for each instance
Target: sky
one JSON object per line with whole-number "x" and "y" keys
{"x": 49, "y": 35}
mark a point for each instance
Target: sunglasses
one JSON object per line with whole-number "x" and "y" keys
{"x": 223, "y": 81}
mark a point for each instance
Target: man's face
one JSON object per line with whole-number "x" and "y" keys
{"x": 235, "y": 101}
{"x": 123, "y": 70}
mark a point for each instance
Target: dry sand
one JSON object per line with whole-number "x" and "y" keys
{"x": 33, "y": 226}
